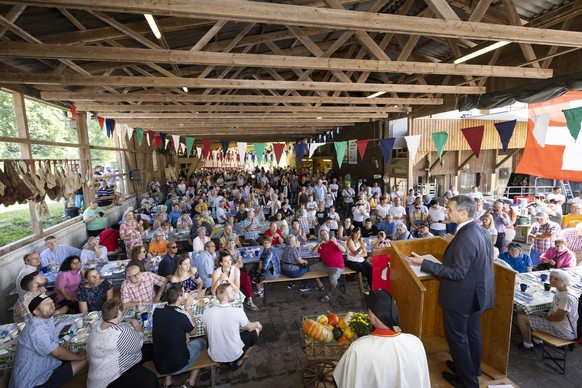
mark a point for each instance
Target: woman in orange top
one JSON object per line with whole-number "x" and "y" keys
{"x": 158, "y": 246}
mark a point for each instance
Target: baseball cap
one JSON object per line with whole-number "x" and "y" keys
{"x": 514, "y": 245}
{"x": 35, "y": 302}
{"x": 382, "y": 304}
{"x": 542, "y": 215}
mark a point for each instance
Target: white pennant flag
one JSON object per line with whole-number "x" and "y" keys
{"x": 540, "y": 131}
{"x": 199, "y": 152}
{"x": 183, "y": 147}
{"x": 176, "y": 140}
{"x": 129, "y": 132}
{"x": 313, "y": 147}
{"x": 242, "y": 149}
{"x": 167, "y": 141}
{"x": 147, "y": 138}
{"x": 412, "y": 142}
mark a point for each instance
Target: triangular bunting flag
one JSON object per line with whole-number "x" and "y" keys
{"x": 540, "y": 130}
{"x": 259, "y": 148}
{"x": 386, "y": 146}
{"x": 225, "y": 145}
{"x": 166, "y": 141}
{"x": 163, "y": 139}
{"x": 505, "y": 131}
{"x": 139, "y": 133}
{"x": 474, "y": 136}
{"x": 110, "y": 126}
{"x": 440, "y": 139}
{"x": 151, "y": 137}
{"x": 300, "y": 149}
{"x": 278, "y": 151}
{"x": 242, "y": 150}
{"x": 129, "y": 131}
{"x": 206, "y": 143}
{"x": 176, "y": 141}
{"x": 253, "y": 157}
{"x": 199, "y": 152}
{"x": 573, "y": 121}
{"x": 100, "y": 121}
{"x": 73, "y": 112}
{"x": 412, "y": 142}
{"x": 340, "y": 151}
{"x": 158, "y": 141}
{"x": 313, "y": 147}
{"x": 189, "y": 144}
{"x": 362, "y": 144}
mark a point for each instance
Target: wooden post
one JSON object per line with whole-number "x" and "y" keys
{"x": 84, "y": 156}
{"x": 26, "y": 153}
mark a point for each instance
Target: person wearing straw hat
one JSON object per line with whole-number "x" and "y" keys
{"x": 387, "y": 357}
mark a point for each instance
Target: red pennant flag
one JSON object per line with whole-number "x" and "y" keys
{"x": 474, "y": 136}
{"x": 158, "y": 141}
{"x": 278, "y": 150}
{"x": 206, "y": 143}
{"x": 101, "y": 121}
{"x": 73, "y": 112}
{"x": 362, "y": 144}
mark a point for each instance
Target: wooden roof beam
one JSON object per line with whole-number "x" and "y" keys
{"x": 284, "y": 14}
{"x": 138, "y": 81}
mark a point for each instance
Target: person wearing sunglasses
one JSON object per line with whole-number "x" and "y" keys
{"x": 169, "y": 263}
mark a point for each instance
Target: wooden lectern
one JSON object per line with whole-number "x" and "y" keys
{"x": 421, "y": 315}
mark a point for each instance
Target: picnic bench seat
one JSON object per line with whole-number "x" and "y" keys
{"x": 203, "y": 362}
{"x": 311, "y": 275}
{"x": 563, "y": 346}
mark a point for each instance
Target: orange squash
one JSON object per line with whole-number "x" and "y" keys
{"x": 343, "y": 340}
{"x": 332, "y": 319}
{"x": 317, "y": 331}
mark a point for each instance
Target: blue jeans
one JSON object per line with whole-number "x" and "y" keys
{"x": 296, "y": 274}
{"x": 195, "y": 347}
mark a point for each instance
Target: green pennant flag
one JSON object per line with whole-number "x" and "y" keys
{"x": 440, "y": 139}
{"x": 340, "y": 150}
{"x": 259, "y": 148}
{"x": 189, "y": 145}
{"x": 573, "y": 121}
{"x": 139, "y": 133}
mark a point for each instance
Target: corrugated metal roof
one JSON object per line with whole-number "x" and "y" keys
{"x": 531, "y": 9}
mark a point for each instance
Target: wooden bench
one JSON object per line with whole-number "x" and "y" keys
{"x": 563, "y": 346}
{"x": 312, "y": 275}
{"x": 203, "y": 362}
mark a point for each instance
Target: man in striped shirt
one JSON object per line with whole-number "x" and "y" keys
{"x": 55, "y": 253}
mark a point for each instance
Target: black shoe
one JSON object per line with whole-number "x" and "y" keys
{"x": 451, "y": 365}
{"x": 522, "y": 347}
{"x": 452, "y": 379}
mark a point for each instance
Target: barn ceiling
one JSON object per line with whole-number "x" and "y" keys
{"x": 274, "y": 70}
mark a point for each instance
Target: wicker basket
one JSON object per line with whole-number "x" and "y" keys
{"x": 316, "y": 350}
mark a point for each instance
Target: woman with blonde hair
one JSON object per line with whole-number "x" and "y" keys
{"x": 489, "y": 225}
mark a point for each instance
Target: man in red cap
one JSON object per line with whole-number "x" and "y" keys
{"x": 386, "y": 358}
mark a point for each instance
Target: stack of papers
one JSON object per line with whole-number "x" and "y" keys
{"x": 416, "y": 268}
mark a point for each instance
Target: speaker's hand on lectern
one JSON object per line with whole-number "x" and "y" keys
{"x": 414, "y": 259}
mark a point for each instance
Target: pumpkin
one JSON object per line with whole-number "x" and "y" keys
{"x": 349, "y": 333}
{"x": 317, "y": 331}
{"x": 337, "y": 333}
{"x": 332, "y": 319}
{"x": 342, "y": 324}
{"x": 322, "y": 319}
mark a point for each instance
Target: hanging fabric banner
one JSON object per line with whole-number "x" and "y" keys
{"x": 176, "y": 141}
{"x": 300, "y": 149}
{"x": 225, "y": 145}
{"x": 440, "y": 139}
{"x": 158, "y": 141}
{"x": 73, "y": 112}
{"x": 189, "y": 145}
{"x": 206, "y": 143}
{"x": 412, "y": 142}
{"x": 100, "y": 121}
{"x": 559, "y": 158}
{"x": 313, "y": 147}
{"x": 474, "y": 136}
{"x": 505, "y": 131}
{"x": 541, "y": 125}
{"x": 386, "y": 146}
{"x": 139, "y": 133}
{"x": 573, "y": 121}
{"x": 242, "y": 150}
{"x": 340, "y": 151}
{"x": 163, "y": 139}
{"x": 109, "y": 125}
{"x": 278, "y": 150}
{"x": 362, "y": 144}
{"x": 259, "y": 148}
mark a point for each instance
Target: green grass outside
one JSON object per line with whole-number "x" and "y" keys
{"x": 16, "y": 225}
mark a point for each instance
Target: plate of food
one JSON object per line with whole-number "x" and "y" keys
{"x": 119, "y": 270}
{"x": 81, "y": 336}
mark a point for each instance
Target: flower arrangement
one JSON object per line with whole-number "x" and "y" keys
{"x": 361, "y": 324}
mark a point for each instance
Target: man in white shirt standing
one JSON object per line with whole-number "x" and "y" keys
{"x": 475, "y": 193}
{"x": 334, "y": 187}
{"x": 557, "y": 195}
{"x": 387, "y": 357}
{"x": 398, "y": 211}
{"x": 220, "y": 212}
{"x": 437, "y": 219}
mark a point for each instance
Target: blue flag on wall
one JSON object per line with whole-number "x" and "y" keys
{"x": 300, "y": 149}
{"x": 224, "y": 148}
{"x": 505, "y": 131}
{"x": 386, "y": 146}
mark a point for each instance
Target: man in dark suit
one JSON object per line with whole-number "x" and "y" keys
{"x": 467, "y": 289}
